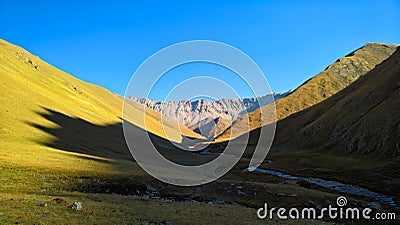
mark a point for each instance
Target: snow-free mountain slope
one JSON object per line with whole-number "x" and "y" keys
{"x": 333, "y": 79}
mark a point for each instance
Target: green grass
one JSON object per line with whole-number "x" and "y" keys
{"x": 27, "y": 197}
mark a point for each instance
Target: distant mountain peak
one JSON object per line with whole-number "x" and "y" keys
{"x": 191, "y": 113}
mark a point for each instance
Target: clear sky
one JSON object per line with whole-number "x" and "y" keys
{"x": 104, "y": 43}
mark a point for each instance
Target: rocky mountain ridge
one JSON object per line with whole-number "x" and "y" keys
{"x": 191, "y": 113}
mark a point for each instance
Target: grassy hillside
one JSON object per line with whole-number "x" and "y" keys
{"x": 354, "y": 136}
{"x": 364, "y": 118}
{"x": 37, "y": 100}
{"x": 333, "y": 79}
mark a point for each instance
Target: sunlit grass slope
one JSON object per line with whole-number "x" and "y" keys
{"x": 333, "y": 79}
{"x": 32, "y": 91}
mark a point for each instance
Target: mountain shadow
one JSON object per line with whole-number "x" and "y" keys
{"x": 80, "y": 136}
{"x": 106, "y": 141}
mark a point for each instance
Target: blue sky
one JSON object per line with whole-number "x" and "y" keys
{"x": 104, "y": 43}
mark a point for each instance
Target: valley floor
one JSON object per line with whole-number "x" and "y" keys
{"x": 36, "y": 196}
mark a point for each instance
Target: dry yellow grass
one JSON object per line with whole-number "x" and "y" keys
{"x": 31, "y": 90}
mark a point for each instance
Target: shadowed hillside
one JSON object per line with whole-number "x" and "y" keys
{"x": 363, "y": 119}
{"x": 333, "y": 79}
{"x": 354, "y": 136}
